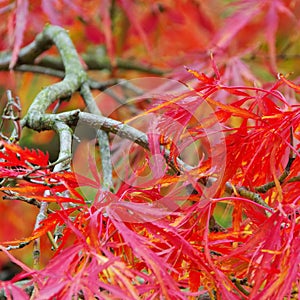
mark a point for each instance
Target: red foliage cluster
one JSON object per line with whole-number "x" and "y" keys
{"x": 127, "y": 246}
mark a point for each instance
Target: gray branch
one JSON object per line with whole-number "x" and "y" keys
{"x": 102, "y": 139}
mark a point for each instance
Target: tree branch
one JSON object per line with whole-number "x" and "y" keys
{"x": 101, "y": 62}
{"x": 93, "y": 84}
{"x": 28, "y": 54}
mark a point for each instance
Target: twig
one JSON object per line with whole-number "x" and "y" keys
{"x": 96, "y": 85}
{"x": 11, "y": 112}
{"x": 239, "y": 284}
{"x": 252, "y": 196}
{"x": 40, "y": 70}
{"x": 244, "y": 192}
{"x": 98, "y": 62}
{"x": 52, "y": 241}
{"x": 37, "y": 168}
{"x": 36, "y": 243}
{"x": 16, "y": 247}
{"x": 94, "y": 62}
{"x": 128, "y": 132}
{"x": 71, "y": 118}
{"x": 24, "y": 199}
{"x": 265, "y": 187}
{"x": 294, "y": 179}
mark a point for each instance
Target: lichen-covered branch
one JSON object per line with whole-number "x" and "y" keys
{"x": 75, "y": 76}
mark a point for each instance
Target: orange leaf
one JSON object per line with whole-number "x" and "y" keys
{"x": 201, "y": 76}
{"x": 240, "y": 112}
{"x": 289, "y": 83}
{"x": 157, "y": 108}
